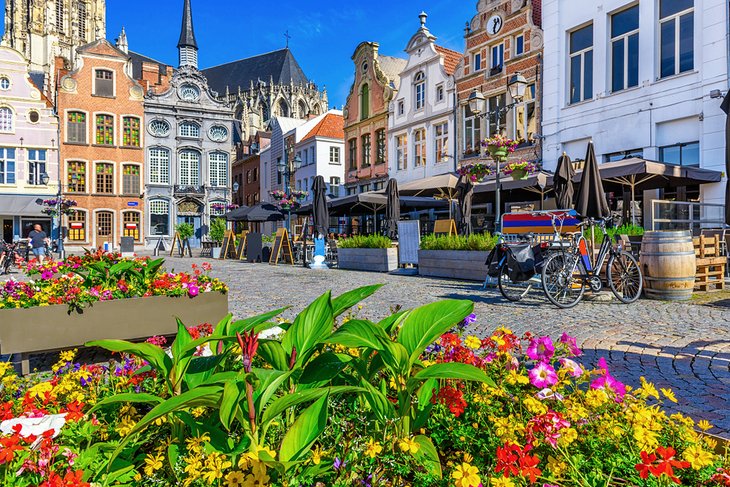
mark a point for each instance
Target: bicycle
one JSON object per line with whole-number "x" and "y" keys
{"x": 10, "y": 257}
{"x": 566, "y": 274}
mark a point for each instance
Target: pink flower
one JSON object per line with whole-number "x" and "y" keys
{"x": 570, "y": 342}
{"x": 575, "y": 369}
{"x": 541, "y": 349}
{"x": 608, "y": 383}
{"x": 193, "y": 290}
{"x": 543, "y": 375}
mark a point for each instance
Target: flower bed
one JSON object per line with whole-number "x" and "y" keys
{"x": 341, "y": 401}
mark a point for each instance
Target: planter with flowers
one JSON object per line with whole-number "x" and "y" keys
{"x": 476, "y": 171}
{"x": 289, "y": 201}
{"x": 499, "y": 147}
{"x": 519, "y": 170}
{"x": 54, "y": 206}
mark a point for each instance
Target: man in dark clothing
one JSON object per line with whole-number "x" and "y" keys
{"x": 38, "y": 240}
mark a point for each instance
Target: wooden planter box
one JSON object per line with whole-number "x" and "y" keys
{"x": 40, "y": 329}
{"x": 376, "y": 260}
{"x": 467, "y": 265}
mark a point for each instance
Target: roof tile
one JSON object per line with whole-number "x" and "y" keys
{"x": 332, "y": 126}
{"x": 451, "y": 59}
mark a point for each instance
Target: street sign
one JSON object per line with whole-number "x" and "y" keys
{"x": 132, "y": 203}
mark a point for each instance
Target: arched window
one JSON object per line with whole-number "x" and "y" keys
{"x": 265, "y": 112}
{"x": 364, "y": 102}
{"x": 130, "y": 133}
{"x": 217, "y": 208}
{"x": 159, "y": 166}
{"x": 76, "y": 127}
{"x": 59, "y": 16}
{"x": 419, "y": 84}
{"x": 6, "y": 119}
{"x": 302, "y": 110}
{"x": 283, "y": 109}
{"x": 159, "y": 217}
{"x": 189, "y": 129}
{"x": 189, "y": 168}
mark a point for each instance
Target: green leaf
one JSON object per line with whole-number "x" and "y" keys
{"x": 424, "y": 407}
{"x": 324, "y": 367}
{"x": 428, "y": 455}
{"x": 233, "y": 392}
{"x": 423, "y": 326}
{"x": 173, "y": 453}
{"x": 310, "y": 327}
{"x": 273, "y": 353}
{"x": 201, "y": 369}
{"x": 345, "y": 301}
{"x": 379, "y": 403}
{"x": 359, "y": 334}
{"x": 451, "y": 370}
{"x": 151, "y": 353}
{"x": 389, "y": 323}
{"x": 125, "y": 398}
{"x": 304, "y": 432}
{"x": 395, "y": 357}
{"x": 283, "y": 403}
{"x": 242, "y": 326}
{"x": 180, "y": 359}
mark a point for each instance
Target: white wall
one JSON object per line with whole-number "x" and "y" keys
{"x": 657, "y": 112}
{"x": 322, "y": 166}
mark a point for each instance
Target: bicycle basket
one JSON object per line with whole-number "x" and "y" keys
{"x": 520, "y": 262}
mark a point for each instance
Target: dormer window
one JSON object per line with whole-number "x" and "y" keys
{"x": 104, "y": 83}
{"x": 419, "y": 83}
{"x": 189, "y": 93}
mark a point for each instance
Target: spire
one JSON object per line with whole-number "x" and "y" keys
{"x": 122, "y": 43}
{"x": 187, "y": 46}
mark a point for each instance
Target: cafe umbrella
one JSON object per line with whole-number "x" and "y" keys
{"x": 464, "y": 195}
{"x": 591, "y": 201}
{"x": 262, "y": 212}
{"x": 392, "y": 210}
{"x": 320, "y": 212}
{"x": 563, "y": 183}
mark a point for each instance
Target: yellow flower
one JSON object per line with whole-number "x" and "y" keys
{"x": 669, "y": 395}
{"x": 234, "y": 479}
{"x": 648, "y": 389}
{"x": 501, "y": 482}
{"x": 215, "y": 464}
{"x": 4, "y": 367}
{"x": 704, "y": 425}
{"x": 125, "y": 426}
{"x": 535, "y": 406}
{"x": 697, "y": 457}
{"x": 473, "y": 342}
{"x": 408, "y": 445}
{"x": 198, "y": 412}
{"x": 68, "y": 355}
{"x": 568, "y": 436}
{"x": 160, "y": 421}
{"x": 39, "y": 390}
{"x": 557, "y": 467}
{"x": 466, "y": 475}
{"x": 373, "y": 448}
{"x": 317, "y": 455}
{"x": 253, "y": 480}
{"x": 596, "y": 398}
{"x": 711, "y": 443}
{"x": 515, "y": 377}
{"x": 152, "y": 464}
{"x": 193, "y": 468}
{"x": 646, "y": 438}
{"x": 195, "y": 444}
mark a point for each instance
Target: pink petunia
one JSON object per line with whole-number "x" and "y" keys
{"x": 543, "y": 375}
{"x": 609, "y": 383}
{"x": 541, "y": 349}
{"x": 193, "y": 290}
{"x": 570, "y": 342}
{"x": 571, "y": 365}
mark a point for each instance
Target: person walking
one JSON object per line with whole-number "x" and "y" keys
{"x": 38, "y": 239}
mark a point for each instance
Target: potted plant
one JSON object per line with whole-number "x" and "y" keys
{"x": 499, "y": 146}
{"x": 367, "y": 253}
{"x": 519, "y": 170}
{"x": 455, "y": 256}
{"x": 216, "y": 234}
{"x": 476, "y": 171}
{"x": 185, "y": 231}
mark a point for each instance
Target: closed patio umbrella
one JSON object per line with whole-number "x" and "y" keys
{"x": 464, "y": 194}
{"x": 591, "y": 201}
{"x": 392, "y": 210}
{"x": 726, "y": 108}
{"x": 563, "y": 183}
{"x": 320, "y": 212}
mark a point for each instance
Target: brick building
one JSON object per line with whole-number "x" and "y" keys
{"x": 102, "y": 160}
{"x": 377, "y": 79}
{"x": 503, "y": 38}
{"x": 246, "y": 170}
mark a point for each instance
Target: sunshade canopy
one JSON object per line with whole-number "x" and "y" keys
{"x": 441, "y": 186}
{"x": 261, "y": 212}
{"x": 23, "y": 205}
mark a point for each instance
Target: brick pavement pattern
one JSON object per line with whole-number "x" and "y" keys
{"x": 679, "y": 345}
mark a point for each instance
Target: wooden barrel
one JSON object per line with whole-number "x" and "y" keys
{"x": 668, "y": 262}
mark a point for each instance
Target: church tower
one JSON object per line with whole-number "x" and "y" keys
{"x": 44, "y": 29}
{"x": 187, "y": 46}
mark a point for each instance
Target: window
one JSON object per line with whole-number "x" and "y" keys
{"x": 130, "y": 220}
{"x": 364, "y": 188}
{"x": 497, "y": 58}
{"x": 401, "y": 151}
{"x": 676, "y": 36}
{"x": 350, "y": 191}
{"x": 581, "y": 64}
{"x": 76, "y": 127}
{"x": 189, "y": 168}
{"x": 440, "y": 93}
{"x": 83, "y": 15}
{"x": 380, "y": 146}
{"x": 477, "y": 60}
{"x": 189, "y": 92}
{"x": 76, "y": 177}
{"x": 312, "y": 155}
{"x": 472, "y": 133}
{"x": 335, "y": 187}
{"x": 366, "y": 150}
{"x": 364, "y": 102}
{"x": 218, "y": 133}
{"x": 6, "y": 119}
{"x": 687, "y": 154}
{"x": 7, "y": 166}
{"x": 625, "y": 49}
{"x": 104, "y": 130}
{"x": 77, "y": 226}
{"x": 104, "y": 178}
{"x": 130, "y": 179}
{"x": 379, "y": 186}
{"x": 334, "y": 155}
{"x": 159, "y": 128}
{"x": 4, "y": 83}
{"x": 59, "y": 17}
{"x": 401, "y": 108}
{"x": 159, "y": 217}
{"x": 36, "y": 165}
{"x": 419, "y": 147}
{"x": 519, "y": 45}
{"x": 217, "y": 208}
{"x": 305, "y": 161}
{"x": 255, "y": 174}
{"x": 218, "y": 167}
{"x": 104, "y": 83}
{"x": 190, "y": 129}
{"x": 249, "y": 178}
{"x": 34, "y": 116}
{"x": 159, "y": 166}
{"x": 441, "y": 132}
{"x": 130, "y": 136}
{"x": 420, "y": 89}
{"x": 496, "y": 124}
{"x": 525, "y": 121}
{"x": 352, "y": 154}
{"x": 627, "y": 154}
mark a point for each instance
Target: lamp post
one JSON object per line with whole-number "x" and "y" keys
{"x": 45, "y": 179}
{"x": 517, "y": 84}
{"x": 286, "y": 171}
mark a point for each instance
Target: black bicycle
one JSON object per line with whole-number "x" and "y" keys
{"x": 10, "y": 256}
{"x": 566, "y": 273}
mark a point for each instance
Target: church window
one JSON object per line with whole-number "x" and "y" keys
{"x": 104, "y": 83}
{"x": 364, "y": 102}
{"x": 82, "y": 19}
{"x": 59, "y": 16}
{"x": 302, "y": 110}
{"x": 283, "y": 109}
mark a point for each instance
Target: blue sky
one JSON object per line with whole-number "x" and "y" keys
{"x": 323, "y": 38}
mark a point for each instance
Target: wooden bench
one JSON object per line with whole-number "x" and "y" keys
{"x": 710, "y": 263}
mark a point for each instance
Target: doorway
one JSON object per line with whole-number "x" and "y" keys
{"x": 104, "y": 228}
{"x": 8, "y": 230}
{"x": 195, "y": 221}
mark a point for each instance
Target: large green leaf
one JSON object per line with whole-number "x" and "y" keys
{"x": 304, "y": 432}
{"x": 201, "y": 369}
{"x": 451, "y": 370}
{"x": 180, "y": 360}
{"x": 428, "y": 455}
{"x": 125, "y": 398}
{"x": 391, "y": 322}
{"x": 281, "y": 404}
{"x": 345, "y": 301}
{"x": 310, "y": 327}
{"x": 379, "y": 403}
{"x": 423, "y": 326}
{"x": 151, "y": 353}
{"x": 395, "y": 356}
{"x": 359, "y": 334}
{"x": 242, "y": 326}
{"x": 233, "y": 392}
{"x": 324, "y": 367}
{"x": 268, "y": 388}
{"x": 273, "y": 353}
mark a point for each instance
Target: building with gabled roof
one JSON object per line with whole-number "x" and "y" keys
{"x": 321, "y": 149}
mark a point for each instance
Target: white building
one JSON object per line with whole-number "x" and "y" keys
{"x": 322, "y": 151}
{"x": 640, "y": 79}
{"x": 421, "y": 130}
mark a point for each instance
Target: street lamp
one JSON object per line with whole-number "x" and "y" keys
{"x": 516, "y": 85}
{"x": 286, "y": 171}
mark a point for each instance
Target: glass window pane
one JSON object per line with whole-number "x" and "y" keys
{"x": 575, "y": 86}
{"x": 626, "y": 21}
{"x": 667, "y": 48}
{"x": 669, "y": 7}
{"x": 670, "y": 155}
{"x": 633, "y": 61}
{"x": 691, "y": 154}
{"x": 581, "y": 39}
{"x": 588, "y": 76}
{"x": 617, "y": 72}
{"x": 686, "y": 42}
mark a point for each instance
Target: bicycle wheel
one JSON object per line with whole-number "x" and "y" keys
{"x": 511, "y": 290}
{"x": 559, "y": 282}
{"x": 624, "y": 277}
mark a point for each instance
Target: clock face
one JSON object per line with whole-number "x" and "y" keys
{"x": 218, "y": 133}
{"x": 494, "y": 24}
{"x": 189, "y": 92}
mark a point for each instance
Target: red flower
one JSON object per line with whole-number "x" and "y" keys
{"x": 507, "y": 460}
{"x": 75, "y": 411}
{"x": 8, "y": 446}
{"x": 6, "y": 410}
{"x": 647, "y": 463}
{"x": 528, "y": 467}
{"x": 451, "y": 397}
{"x": 665, "y": 465}
{"x": 249, "y": 344}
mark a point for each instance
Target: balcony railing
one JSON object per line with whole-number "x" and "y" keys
{"x": 187, "y": 189}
